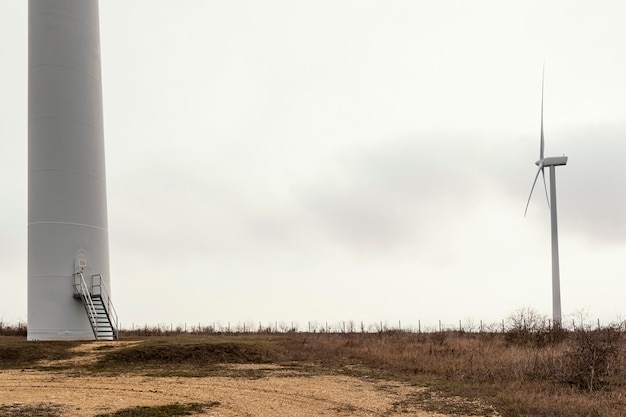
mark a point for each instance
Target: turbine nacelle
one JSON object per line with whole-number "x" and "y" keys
{"x": 552, "y": 161}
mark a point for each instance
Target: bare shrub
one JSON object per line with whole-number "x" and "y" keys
{"x": 593, "y": 360}
{"x": 438, "y": 338}
{"x": 527, "y": 327}
{"x": 18, "y": 329}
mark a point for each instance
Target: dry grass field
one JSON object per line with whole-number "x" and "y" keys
{"x": 391, "y": 373}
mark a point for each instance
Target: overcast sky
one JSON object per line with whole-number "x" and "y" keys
{"x": 344, "y": 160}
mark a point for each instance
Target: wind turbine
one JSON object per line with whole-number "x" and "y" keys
{"x": 542, "y": 163}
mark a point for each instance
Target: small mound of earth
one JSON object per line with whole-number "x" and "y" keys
{"x": 190, "y": 354}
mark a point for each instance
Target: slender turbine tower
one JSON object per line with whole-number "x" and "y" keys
{"x": 67, "y": 210}
{"x": 552, "y": 163}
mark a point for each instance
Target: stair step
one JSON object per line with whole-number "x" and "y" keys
{"x": 98, "y": 316}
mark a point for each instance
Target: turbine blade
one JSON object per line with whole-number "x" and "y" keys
{"x": 545, "y": 187}
{"x": 542, "y": 82}
{"x": 533, "y": 187}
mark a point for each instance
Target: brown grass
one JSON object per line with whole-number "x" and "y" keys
{"x": 192, "y": 355}
{"x": 540, "y": 374}
{"x": 15, "y": 352}
{"x": 169, "y": 410}
{"x": 37, "y": 410}
{"x": 579, "y": 374}
{"x": 522, "y": 373}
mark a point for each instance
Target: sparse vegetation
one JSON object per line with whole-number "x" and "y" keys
{"x": 595, "y": 359}
{"x": 191, "y": 355}
{"x": 527, "y": 370}
{"x": 15, "y": 352}
{"x": 169, "y": 410}
{"x": 577, "y": 373}
{"x": 7, "y": 329}
{"x": 38, "y": 410}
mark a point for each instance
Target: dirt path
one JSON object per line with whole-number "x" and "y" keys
{"x": 280, "y": 392}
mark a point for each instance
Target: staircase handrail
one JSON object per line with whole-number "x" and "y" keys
{"x": 110, "y": 309}
{"x": 80, "y": 287}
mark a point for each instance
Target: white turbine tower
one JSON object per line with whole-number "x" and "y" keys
{"x": 68, "y": 243}
{"x": 551, "y": 162}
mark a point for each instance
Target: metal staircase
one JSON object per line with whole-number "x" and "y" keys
{"x": 97, "y": 302}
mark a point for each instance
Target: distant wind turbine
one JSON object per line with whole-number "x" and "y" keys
{"x": 551, "y": 162}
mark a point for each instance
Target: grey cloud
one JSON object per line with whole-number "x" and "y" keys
{"x": 399, "y": 190}
{"x": 592, "y": 188}
{"x": 591, "y": 192}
